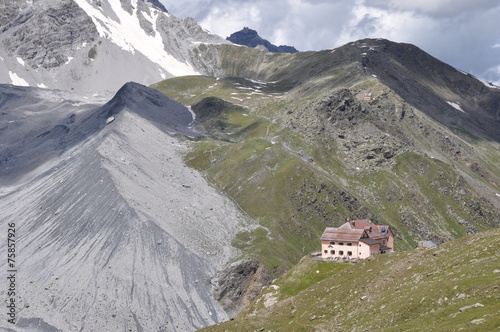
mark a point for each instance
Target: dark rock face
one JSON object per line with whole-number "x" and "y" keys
{"x": 251, "y": 38}
{"x": 240, "y": 283}
{"x": 158, "y": 4}
{"x": 54, "y": 32}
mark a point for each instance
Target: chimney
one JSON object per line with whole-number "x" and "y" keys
{"x": 354, "y": 223}
{"x": 370, "y": 229}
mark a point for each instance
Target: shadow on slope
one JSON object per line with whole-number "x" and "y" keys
{"x": 38, "y": 125}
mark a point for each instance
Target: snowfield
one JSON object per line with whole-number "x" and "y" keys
{"x": 126, "y": 32}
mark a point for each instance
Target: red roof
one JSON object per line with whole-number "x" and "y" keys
{"x": 359, "y": 230}
{"x": 373, "y": 231}
{"x": 342, "y": 233}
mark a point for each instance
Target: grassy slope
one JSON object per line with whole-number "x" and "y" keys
{"x": 396, "y": 292}
{"x": 296, "y": 185}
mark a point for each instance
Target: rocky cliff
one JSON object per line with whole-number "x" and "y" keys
{"x": 239, "y": 284}
{"x": 96, "y": 46}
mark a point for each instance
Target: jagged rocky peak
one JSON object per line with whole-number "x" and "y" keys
{"x": 251, "y": 38}
{"x": 98, "y": 45}
{"x": 42, "y": 36}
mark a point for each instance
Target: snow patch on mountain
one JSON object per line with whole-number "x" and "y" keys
{"x": 16, "y": 80}
{"x": 90, "y": 46}
{"x": 128, "y": 34}
{"x": 456, "y": 106}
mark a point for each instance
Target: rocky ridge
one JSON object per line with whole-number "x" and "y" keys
{"x": 303, "y": 141}
{"x": 89, "y": 46}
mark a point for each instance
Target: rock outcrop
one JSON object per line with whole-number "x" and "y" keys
{"x": 46, "y": 36}
{"x": 239, "y": 284}
{"x": 89, "y": 46}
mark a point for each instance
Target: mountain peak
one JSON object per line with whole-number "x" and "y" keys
{"x": 251, "y": 38}
{"x": 165, "y": 113}
{"x": 85, "y": 44}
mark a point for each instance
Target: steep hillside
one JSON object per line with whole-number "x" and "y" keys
{"x": 304, "y": 141}
{"x": 455, "y": 286}
{"x": 448, "y": 95}
{"x": 113, "y": 231}
{"x": 96, "y": 46}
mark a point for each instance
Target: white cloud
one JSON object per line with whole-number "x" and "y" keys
{"x": 492, "y": 75}
{"x": 369, "y": 22}
{"x": 437, "y": 8}
{"x": 234, "y": 17}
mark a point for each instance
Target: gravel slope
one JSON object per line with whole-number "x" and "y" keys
{"x": 114, "y": 232}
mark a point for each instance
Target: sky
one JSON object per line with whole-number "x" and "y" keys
{"x": 462, "y": 33}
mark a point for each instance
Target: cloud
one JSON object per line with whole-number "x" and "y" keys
{"x": 305, "y": 24}
{"x": 462, "y": 33}
{"x": 492, "y": 75}
{"x": 436, "y": 8}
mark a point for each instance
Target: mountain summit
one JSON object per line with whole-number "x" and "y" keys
{"x": 251, "y": 38}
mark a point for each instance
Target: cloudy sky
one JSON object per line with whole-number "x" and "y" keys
{"x": 463, "y": 33}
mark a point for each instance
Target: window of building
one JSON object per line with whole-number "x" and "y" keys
{"x": 349, "y": 253}
{"x": 332, "y": 252}
{"x": 326, "y": 251}
{"x": 341, "y": 243}
{"x": 332, "y": 242}
{"x": 341, "y": 252}
{"x": 349, "y": 243}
